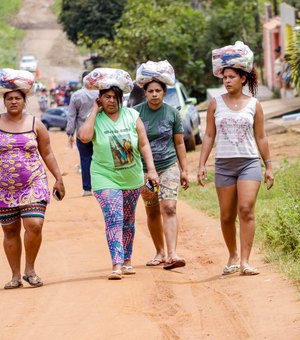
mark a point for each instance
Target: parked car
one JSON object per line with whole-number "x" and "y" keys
{"x": 55, "y": 117}
{"x": 176, "y": 96}
{"x": 28, "y": 63}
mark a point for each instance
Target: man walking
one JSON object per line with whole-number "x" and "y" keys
{"x": 81, "y": 104}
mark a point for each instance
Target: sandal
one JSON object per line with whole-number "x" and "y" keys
{"x": 155, "y": 262}
{"x": 13, "y": 284}
{"x": 231, "y": 269}
{"x": 33, "y": 280}
{"x": 174, "y": 263}
{"x": 248, "y": 271}
{"x": 128, "y": 270}
{"x": 115, "y": 275}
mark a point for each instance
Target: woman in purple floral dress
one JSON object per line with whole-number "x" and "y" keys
{"x": 24, "y": 192}
{"x": 236, "y": 121}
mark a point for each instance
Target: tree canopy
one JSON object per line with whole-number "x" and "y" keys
{"x": 92, "y": 19}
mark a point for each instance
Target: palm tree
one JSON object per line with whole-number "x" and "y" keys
{"x": 293, "y": 51}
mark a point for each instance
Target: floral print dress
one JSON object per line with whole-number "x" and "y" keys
{"x": 23, "y": 179}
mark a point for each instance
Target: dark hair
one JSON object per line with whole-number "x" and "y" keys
{"x": 251, "y": 78}
{"x": 137, "y": 96}
{"x": 163, "y": 85}
{"x": 21, "y": 92}
{"x": 278, "y": 49}
{"x": 85, "y": 73}
{"x": 117, "y": 91}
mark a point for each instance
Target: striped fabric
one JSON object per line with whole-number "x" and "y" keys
{"x": 11, "y": 215}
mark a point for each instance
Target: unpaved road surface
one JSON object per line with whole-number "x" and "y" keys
{"x": 195, "y": 302}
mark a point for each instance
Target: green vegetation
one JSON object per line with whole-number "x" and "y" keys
{"x": 134, "y": 31}
{"x": 10, "y": 37}
{"x": 277, "y": 216}
{"x": 56, "y": 7}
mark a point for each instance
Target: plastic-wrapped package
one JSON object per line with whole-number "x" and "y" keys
{"x": 151, "y": 70}
{"x": 104, "y": 78}
{"x": 11, "y": 80}
{"x": 238, "y": 55}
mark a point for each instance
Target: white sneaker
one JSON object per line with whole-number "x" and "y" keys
{"x": 87, "y": 193}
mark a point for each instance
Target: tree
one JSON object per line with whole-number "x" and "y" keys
{"x": 158, "y": 30}
{"x": 92, "y": 19}
{"x": 293, "y": 51}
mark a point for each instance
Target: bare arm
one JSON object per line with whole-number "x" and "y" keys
{"x": 263, "y": 145}
{"x": 146, "y": 152}
{"x": 208, "y": 141}
{"x": 48, "y": 157}
{"x": 181, "y": 155}
{"x": 86, "y": 131}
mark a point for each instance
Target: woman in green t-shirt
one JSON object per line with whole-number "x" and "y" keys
{"x": 119, "y": 138}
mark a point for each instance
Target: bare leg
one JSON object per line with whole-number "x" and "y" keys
{"x": 155, "y": 227}
{"x": 32, "y": 242}
{"x": 170, "y": 226}
{"x": 13, "y": 248}
{"x": 228, "y": 211}
{"x": 247, "y": 193}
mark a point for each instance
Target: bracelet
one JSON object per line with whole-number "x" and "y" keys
{"x": 268, "y": 161}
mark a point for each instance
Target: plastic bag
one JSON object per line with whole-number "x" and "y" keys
{"x": 151, "y": 70}
{"x": 104, "y": 78}
{"x": 238, "y": 55}
{"x": 11, "y": 80}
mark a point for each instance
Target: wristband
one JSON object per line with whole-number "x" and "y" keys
{"x": 267, "y": 161}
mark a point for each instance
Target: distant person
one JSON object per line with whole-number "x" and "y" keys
{"x": 286, "y": 78}
{"x": 137, "y": 96}
{"x": 24, "y": 192}
{"x": 80, "y": 106}
{"x": 278, "y": 67}
{"x": 43, "y": 100}
{"x": 237, "y": 122}
{"x": 116, "y": 180}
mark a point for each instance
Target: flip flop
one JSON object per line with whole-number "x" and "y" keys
{"x": 248, "y": 271}
{"x": 115, "y": 275}
{"x": 128, "y": 270}
{"x": 33, "y": 280}
{"x": 13, "y": 284}
{"x": 155, "y": 262}
{"x": 231, "y": 269}
{"x": 174, "y": 263}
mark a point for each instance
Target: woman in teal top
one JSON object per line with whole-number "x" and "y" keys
{"x": 119, "y": 138}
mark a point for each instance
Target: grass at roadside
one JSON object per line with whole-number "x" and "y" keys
{"x": 277, "y": 216}
{"x": 10, "y": 37}
{"x": 56, "y": 7}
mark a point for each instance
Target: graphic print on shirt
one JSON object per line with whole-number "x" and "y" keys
{"x": 234, "y": 130}
{"x": 122, "y": 150}
{"x": 159, "y": 144}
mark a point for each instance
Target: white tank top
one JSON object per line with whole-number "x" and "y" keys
{"x": 235, "y": 136}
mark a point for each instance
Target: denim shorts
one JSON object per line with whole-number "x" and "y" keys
{"x": 169, "y": 184}
{"x": 230, "y": 170}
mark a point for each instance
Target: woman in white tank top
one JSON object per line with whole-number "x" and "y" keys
{"x": 236, "y": 121}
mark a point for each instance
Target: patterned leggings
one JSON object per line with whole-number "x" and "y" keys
{"x": 118, "y": 208}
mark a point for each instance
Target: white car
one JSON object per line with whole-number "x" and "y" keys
{"x": 28, "y": 63}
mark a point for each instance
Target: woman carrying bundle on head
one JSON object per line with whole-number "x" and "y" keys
{"x": 237, "y": 122}
{"x": 119, "y": 139}
{"x": 165, "y": 133}
{"x": 24, "y": 192}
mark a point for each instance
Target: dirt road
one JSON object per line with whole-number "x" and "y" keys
{"x": 78, "y": 302}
